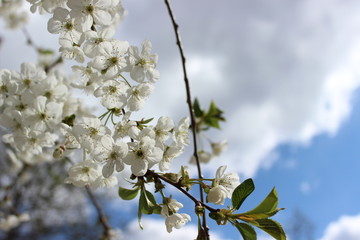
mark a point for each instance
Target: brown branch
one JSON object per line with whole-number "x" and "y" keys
{"x": 189, "y": 102}
{"x": 31, "y": 43}
{"x": 102, "y": 218}
{"x": 178, "y": 186}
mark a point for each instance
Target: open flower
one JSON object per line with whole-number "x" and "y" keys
{"x": 177, "y": 220}
{"x": 143, "y": 154}
{"x": 217, "y": 195}
{"x": 143, "y": 64}
{"x": 111, "y": 60}
{"x": 83, "y": 174}
{"x": 229, "y": 180}
{"x": 113, "y": 154}
{"x": 112, "y": 93}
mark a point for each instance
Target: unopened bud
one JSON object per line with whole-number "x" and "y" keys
{"x": 59, "y": 152}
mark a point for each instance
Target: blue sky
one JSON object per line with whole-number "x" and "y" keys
{"x": 287, "y": 75}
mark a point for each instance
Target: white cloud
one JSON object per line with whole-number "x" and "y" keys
{"x": 157, "y": 228}
{"x": 286, "y": 75}
{"x": 346, "y": 227}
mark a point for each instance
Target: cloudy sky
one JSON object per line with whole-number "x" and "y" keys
{"x": 286, "y": 73}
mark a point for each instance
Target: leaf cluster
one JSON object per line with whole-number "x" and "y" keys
{"x": 207, "y": 119}
{"x": 258, "y": 217}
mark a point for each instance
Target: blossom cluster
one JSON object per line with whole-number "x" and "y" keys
{"x": 45, "y": 122}
{"x": 12, "y": 13}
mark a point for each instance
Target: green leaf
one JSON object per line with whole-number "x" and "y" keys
{"x": 141, "y": 206}
{"x": 148, "y": 202}
{"x": 270, "y": 226}
{"x": 197, "y": 110}
{"x": 247, "y": 231}
{"x": 214, "y": 111}
{"x": 268, "y": 205}
{"x": 212, "y": 122}
{"x": 45, "y": 51}
{"x": 251, "y": 217}
{"x": 146, "y": 121}
{"x": 241, "y": 192}
{"x": 128, "y": 194}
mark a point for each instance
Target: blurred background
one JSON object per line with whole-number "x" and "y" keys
{"x": 286, "y": 74}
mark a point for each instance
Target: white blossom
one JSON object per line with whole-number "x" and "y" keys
{"x": 122, "y": 129}
{"x": 12, "y": 221}
{"x": 46, "y": 6}
{"x": 143, "y": 154}
{"x": 28, "y": 77}
{"x": 89, "y": 132}
{"x": 181, "y": 132}
{"x": 71, "y": 51}
{"x": 143, "y": 64}
{"x": 229, "y": 180}
{"x": 219, "y": 147}
{"x": 83, "y": 174}
{"x": 217, "y": 195}
{"x": 137, "y": 96}
{"x": 53, "y": 88}
{"x": 177, "y": 220}
{"x": 105, "y": 182}
{"x": 162, "y": 129}
{"x": 45, "y": 114}
{"x": 113, "y": 154}
{"x": 89, "y": 12}
{"x": 111, "y": 61}
{"x": 204, "y": 157}
{"x": 33, "y": 141}
{"x": 112, "y": 93}
{"x": 171, "y": 206}
{"x": 170, "y": 153}
{"x": 87, "y": 78}
{"x": 94, "y": 41}
{"x": 62, "y": 24}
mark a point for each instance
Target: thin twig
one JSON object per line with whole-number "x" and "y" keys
{"x": 102, "y": 218}
{"x": 189, "y": 102}
{"x": 178, "y": 186}
{"x": 31, "y": 43}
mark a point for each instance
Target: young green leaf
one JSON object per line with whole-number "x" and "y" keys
{"x": 268, "y": 205}
{"x": 270, "y": 226}
{"x": 241, "y": 192}
{"x": 128, "y": 194}
{"x": 148, "y": 202}
{"x": 197, "y": 110}
{"x": 140, "y": 208}
{"x": 254, "y": 216}
{"x": 146, "y": 121}
{"x": 212, "y": 122}
{"x": 246, "y": 231}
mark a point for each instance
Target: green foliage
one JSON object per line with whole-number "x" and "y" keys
{"x": 241, "y": 192}
{"x": 128, "y": 194}
{"x": 258, "y": 217}
{"x": 267, "y": 206}
{"x": 270, "y": 226}
{"x": 207, "y": 119}
{"x": 142, "y": 123}
{"x": 246, "y": 231}
{"x": 69, "y": 120}
{"x": 45, "y": 51}
{"x": 147, "y": 204}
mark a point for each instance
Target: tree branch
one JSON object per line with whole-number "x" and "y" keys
{"x": 178, "y": 186}
{"x": 189, "y": 102}
{"x": 102, "y": 218}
